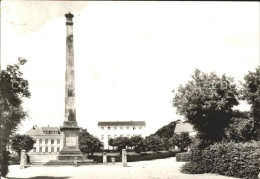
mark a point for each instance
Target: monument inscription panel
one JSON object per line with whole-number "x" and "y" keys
{"x": 71, "y": 141}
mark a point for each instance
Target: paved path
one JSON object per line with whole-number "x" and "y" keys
{"x": 153, "y": 169}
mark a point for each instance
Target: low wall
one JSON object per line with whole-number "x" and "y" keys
{"x": 41, "y": 157}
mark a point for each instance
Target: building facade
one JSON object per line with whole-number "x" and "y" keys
{"x": 113, "y": 129}
{"x": 48, "y": 139}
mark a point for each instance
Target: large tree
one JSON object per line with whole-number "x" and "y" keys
{"x": 13, "y": 90}
{"x": 22, "y": 142}
{"x": 251, "y": 93}
{"x": 88, "y": 143}
{"x": 206, "y": 101}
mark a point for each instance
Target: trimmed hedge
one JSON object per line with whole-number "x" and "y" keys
{"x": 183, "y": 157}
{"x": 137, "y": 157}
{"x": 240, "y": 160}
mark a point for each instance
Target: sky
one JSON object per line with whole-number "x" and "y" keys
{"x": 129, "y": 56}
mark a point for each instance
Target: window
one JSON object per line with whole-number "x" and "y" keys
{"x": 102, "y": 128}
{"x": 34, "y": 149}
{"x": 58, "y": 149}
{"x": 133, "y": 127}
{"x": 46, "y": 149}
{"x": 127, "y": 127}
{"x": 58, "y": 141}
{"x": 52, "y": 141}
{"x": 109, "y": 136}
{"x": 108, "y": 127}
{"x": 115, "y": 128}
{"x": 115, "y": 136}
{"x": 52, "y": 149}
{"x": 40, "y": 150}
{"x": 40, "y": 141}
{"x": 121, "y": 127}
{"x": 46, "y": 141}
{"x": 102, "y": 137}
{"x": 140, "y": 127}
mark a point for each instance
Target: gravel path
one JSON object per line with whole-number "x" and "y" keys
{"x": 153, "y": 169}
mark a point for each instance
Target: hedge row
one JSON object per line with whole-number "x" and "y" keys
{"x": 183, "y": 157}
{"x": 137, "y": 157}
{"x": 240, "y": 160}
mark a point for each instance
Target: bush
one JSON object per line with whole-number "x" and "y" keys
{"x": 181, "y": 140}
{"x": 183, "y": 157}
{"x": 230, "y": 159}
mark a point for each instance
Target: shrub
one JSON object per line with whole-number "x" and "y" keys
{"x": 229, "y": 159}
{"x": 183, "y": 157}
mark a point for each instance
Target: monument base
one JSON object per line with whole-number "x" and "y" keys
{"x": 70, "y": 150}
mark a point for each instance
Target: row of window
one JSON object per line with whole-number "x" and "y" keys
{"x": 41, "y": 149}
{"x": 121, "y": 135}
{"x": 121, "y": 127}
{"x": 51, "y": 132}
{"x": 52, "y": 141}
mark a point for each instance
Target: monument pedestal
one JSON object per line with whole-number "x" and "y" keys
{"x": 70, "y": 150}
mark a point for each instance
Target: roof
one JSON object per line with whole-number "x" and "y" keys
{"x": 183, "y": 127}
{"x": 39, "y": 130}
{"x": 121, "y": 123}
{"x": 50, "y": 129}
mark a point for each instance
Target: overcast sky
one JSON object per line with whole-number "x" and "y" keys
{"x": 129, "y": 56}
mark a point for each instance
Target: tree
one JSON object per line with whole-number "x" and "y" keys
{"x": 88, "y": 143}
{"x": 241, "y": 130}
{"x": 13, "y": 90}
{"x": 206, "y": 102}
{"x": 22, "y": 142}
{"x": 152, "y": 143}
{"x": 166, "y": 131}
{"x": 121, "y": 143}
{"x": 135, "y": 140}
{"x": 251, "y": 93}
{"x": 181, "y": 140}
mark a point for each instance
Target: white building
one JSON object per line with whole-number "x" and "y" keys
{"x": 113, "y": 129}
{"x": 47, "y": 146}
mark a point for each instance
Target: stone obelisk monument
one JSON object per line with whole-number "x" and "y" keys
{"x": 70, "y": 129}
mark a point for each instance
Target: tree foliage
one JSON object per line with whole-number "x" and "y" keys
{"x": 206, "y": 102}
{"x": 241, "y": 130}
{"x": 13, "y": 90}
{"x": 135, "y": 140}
{"x": 88, "y": 143}
{"x": 181, "y": 140}
{"x": 22, "y": 142}
{"x": 251, "y": 93}
{"x": 121, "y": 143}
{"x": 166, "y": 131}
{"x": 153, "y": 143}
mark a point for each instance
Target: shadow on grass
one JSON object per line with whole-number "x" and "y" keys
{"x": 42, "y": 177}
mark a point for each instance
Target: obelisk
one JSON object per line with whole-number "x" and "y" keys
{"x": 70, "y": 129}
